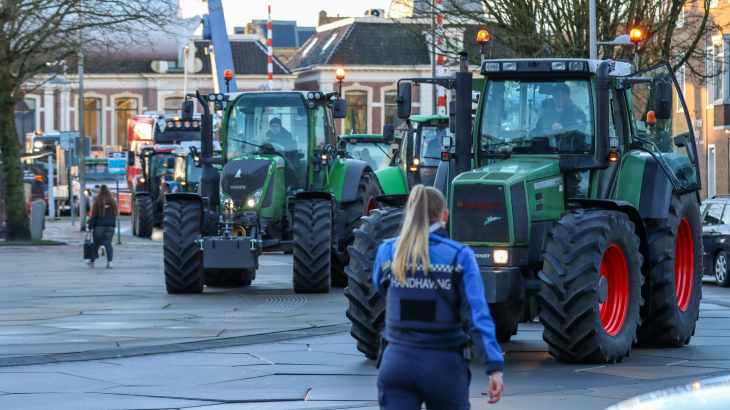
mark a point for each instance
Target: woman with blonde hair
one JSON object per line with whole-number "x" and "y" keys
{"x": 103, "y": 220}
{"x": 435, "y": 308}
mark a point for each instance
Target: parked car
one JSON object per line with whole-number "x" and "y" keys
{"x": 710, "y": 394}
{"x": 716, "y": 237}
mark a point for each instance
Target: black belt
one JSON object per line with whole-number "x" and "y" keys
{"x": 458, "y": 350}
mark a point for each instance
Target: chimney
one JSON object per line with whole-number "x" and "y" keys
{"x": 322, "y": 18}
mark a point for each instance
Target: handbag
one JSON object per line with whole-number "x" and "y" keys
{"x": 88, "y": 247}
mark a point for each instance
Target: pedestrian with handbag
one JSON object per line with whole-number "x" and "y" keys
{"x": 103, "y": 221}
{"x": 435, "y": 308}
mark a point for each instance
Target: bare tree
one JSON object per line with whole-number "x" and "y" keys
{"x": 674, "y": 30}
{"x": 37, "y": 34}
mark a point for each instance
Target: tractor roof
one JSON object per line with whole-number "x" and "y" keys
{"x": 161, "y": 148}
{"x": 367, "y": 137}
{"x": 545, "y": 65}
{"x": 425, "y": 118}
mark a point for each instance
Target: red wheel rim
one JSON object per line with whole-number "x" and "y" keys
{"x": 684, "y": 265}
{"x": 614, "y": 269}
{"x": 371, "y": 205}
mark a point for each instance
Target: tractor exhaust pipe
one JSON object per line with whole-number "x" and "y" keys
{"x": 209, "y": 178}
{"x": 463, "y": 116}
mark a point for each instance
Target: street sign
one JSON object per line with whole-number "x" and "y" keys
{"x": 67, "y": 139}
{"x": 118, "y": 162}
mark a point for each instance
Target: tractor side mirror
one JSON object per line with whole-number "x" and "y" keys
{"x": 130, "y": 158}
{"x": 452, "y": 117}
{"x": 187, "y": 110}
{"x": 339, "y": 108}
{"x": 663, "y": 100}
{"x": 404, "y": 100}
{"x": 170, "y": 163}
{"x": 388, "y": 133}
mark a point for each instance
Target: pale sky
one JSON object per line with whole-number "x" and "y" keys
{"x": 240, "y": 12}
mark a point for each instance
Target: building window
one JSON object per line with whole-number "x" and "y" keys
{"x": 92, "y": 120}
{"x": 357, "y": 112}
{"x": 125, "y": 109}
{"x": 173, "y": 105}
{"x": 390, "y": 110}
{"x": 719, "y": 73}
{"x": 25, "y": 118}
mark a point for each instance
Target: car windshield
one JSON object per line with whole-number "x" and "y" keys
{"x": 97, "y": 171}
{"x": 529, "y": 117}
{"x": 256, "y": 119}
{"x": 378, "y": 155}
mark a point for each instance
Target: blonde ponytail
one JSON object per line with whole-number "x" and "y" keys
{"x": 425, "y": 204}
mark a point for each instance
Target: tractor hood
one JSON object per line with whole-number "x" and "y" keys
{"x": 244, "y": 177}
{"x": 495, "y": 204}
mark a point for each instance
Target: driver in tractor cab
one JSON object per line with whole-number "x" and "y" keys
{"x": 279, "y": 135}
{"x": 560, "y": 115}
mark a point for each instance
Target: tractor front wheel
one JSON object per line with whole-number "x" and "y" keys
{"x": 366, "y": 192}
{"x": 675, "y": 248}
{"x": 591, "y": 287}
{"x": 367, "y": 306}
{"x": 181, "y": 227}
{"x": 312, "y": 238}
{"x": 144, "y": 216}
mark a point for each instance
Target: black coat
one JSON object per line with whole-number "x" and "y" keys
{"x": 109, "y": 219}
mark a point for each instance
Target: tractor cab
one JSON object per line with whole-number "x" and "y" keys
{"x": 422, "y": 150}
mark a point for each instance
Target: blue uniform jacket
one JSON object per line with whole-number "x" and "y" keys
{"x": 468, "y": 294}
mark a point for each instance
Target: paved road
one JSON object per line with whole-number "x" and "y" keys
{"x": 78, "y": 338}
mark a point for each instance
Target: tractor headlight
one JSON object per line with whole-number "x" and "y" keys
{"x": 501, "y": 256}
{"x": 254, "y": 199}
{"x": 224, "y": 197}
{"x": 38, "y": 144}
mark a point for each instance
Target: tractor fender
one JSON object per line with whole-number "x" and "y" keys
{"x": 354, "y": 171}
{"x": 398, "y": 200}
{"x": 656, "y": 191}
{"x": 639, "y": 229}
{"x": 187, "y": 196}
{"x": 392, "y": 180}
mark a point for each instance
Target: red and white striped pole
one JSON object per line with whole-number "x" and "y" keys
{"x": 440, "y": 56}
{"x": 270, "y": 53}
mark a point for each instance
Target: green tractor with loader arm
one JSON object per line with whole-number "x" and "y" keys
{"x": 282, "y": 187}
{"x": 580, "y": 198}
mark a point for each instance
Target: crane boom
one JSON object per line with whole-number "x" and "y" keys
{"x": 221, "y": 59}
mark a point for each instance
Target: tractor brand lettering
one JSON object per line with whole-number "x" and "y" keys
{"x": 478, "y": 205}
{"x": 420, "y": 283}
{"x": 238, "y": 186}
{"x": 238, "y": 174}
{"x": 483, "y": 255}
{"x": 492, "y": 219}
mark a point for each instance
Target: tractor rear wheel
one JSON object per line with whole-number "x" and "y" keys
{"x": 181, "y": 227}
{"x": 506, "y": 317}
{"x": 675, "y": 249}
{"x": 229, "y": 278}
{"x": 366, "y": 192}
{"x": 312, "y": 238}
{"x": 367, "y": 306}
{"x": 144, "y": 216}
{"x": 591, "y": 287}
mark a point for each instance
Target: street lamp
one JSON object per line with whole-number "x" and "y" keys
{"x": 340, "y": 74}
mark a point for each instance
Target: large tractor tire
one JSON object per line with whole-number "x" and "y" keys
{"x": 367, "y": 307}
{"x": 675, "y": 249}
{"x": 591, "y": 287}
{"x": 181, "y": 227}
{"x": 144, "y": 216}
{"x": 229, "y": 278}
{"x": 506, "y": 317}
{"x": 366, "y": 192}
{"x": 312, "y": 249}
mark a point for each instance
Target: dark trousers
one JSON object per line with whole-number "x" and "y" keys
{"x": 103, "y": 235}
{"x": 410, "y": 376}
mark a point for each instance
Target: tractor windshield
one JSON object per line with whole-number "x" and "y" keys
{"x": 377, "y": 154}
{"x": 521, "y": 117}
{"x": 278, "y": 119}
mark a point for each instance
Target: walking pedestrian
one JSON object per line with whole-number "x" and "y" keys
{"x": 435, "y": 307}
{"x": 103, "y": 220}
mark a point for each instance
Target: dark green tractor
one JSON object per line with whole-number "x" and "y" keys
{"x": 286, "y": 184}
{"x": 580, "y": 199}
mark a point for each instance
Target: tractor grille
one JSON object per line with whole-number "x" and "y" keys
{"x": 241, "y": 178}
{"x": 479, "y": 214}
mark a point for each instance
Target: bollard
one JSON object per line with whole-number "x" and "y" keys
{"x": 37, "y": 218}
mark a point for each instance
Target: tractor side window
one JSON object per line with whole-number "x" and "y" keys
{"x": 672, "y": 139}
{"x": 713, "y": 215}
{"x": 179, "y": 175}
{"x": 319, "y": 123}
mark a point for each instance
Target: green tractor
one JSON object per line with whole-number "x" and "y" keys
{"x": 581, "y": 201}
{"x": 282, "y": 187}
